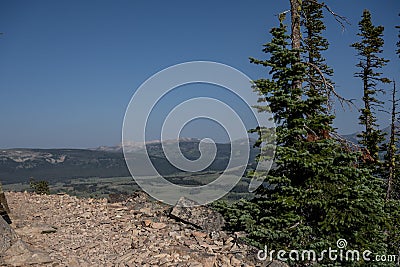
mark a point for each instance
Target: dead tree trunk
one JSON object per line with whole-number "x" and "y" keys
{"x": 295, "y": 9}
{"x": 391, "y": 161}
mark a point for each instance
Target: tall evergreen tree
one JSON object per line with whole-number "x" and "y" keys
{"x": 317, "y": 84}
{"x": 315, "y": 43}
{"x": 369, "y": 50}
{"x": 316, "y": 192}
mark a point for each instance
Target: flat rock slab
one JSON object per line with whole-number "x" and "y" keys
{"x": 36, "y": 229}
{"x": 7, "y": 236}
{"x": 15, "y": 252}
{"x": 20, "y": 255}
{"x": 202, "y": 217}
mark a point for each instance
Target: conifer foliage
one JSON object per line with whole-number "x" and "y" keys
{"x": 368, "y": 51}
{"x": 317, "y": 191}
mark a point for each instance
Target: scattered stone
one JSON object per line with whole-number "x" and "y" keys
{"x": 147, "y": 223}
{"x": 157, "y": 225}
{"x": 146, "y": 211}
{"x": 235, "y": 262}
{"x": 199, "y": 234}
{"x": 136, "y": 231}
{"x": 204, "y": 218}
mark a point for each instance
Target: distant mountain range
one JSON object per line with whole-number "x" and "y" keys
{"x": 138, "y": 146}
{"x": 18, "y": 165}
{"x": 353, "y": 137}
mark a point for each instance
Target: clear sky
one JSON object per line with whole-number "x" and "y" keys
{"x": 69, "y": 68}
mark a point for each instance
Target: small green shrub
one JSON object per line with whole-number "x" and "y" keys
{"x": 40, "y": 187}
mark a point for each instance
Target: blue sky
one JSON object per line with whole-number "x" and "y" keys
{"x": 69, "y": 68}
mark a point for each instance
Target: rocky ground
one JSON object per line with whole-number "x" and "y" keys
{"x": 131, "y": 231}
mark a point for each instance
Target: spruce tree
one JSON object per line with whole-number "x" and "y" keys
{"x": 317, "y": 193}
{"x": 315, "y": 43}
{"x": 318, "y": 85}
{"x": 368, "y": 50}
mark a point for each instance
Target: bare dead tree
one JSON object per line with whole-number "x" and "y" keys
{"x": 391, "y": 152}
{"x": 295, "y": 11}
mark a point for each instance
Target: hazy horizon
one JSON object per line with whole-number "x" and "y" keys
{"x": 70, "y": 68}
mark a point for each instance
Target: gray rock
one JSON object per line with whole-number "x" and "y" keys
{"x": 7, "y": 236}
{"x": 190, "y": 212}
{"x": 36, "y": 229}
{"x": 19, "y": 254}
{"x": 15, "y": 252}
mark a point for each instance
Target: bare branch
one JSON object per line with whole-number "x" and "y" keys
{"x": 331, "y": 89}
{"x": 340, "y": 19}
{"x": 294, "y": 225}
{"x": 350, "y": 145}
{"x": 283, "y": 13}
{"x": 309, "y": 129}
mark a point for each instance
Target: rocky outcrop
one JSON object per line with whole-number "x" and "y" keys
{"x": 204, "y": 218}
{"x": 15, "y": 252}
{"x": 7, "y": 236}
{"x": 132, "y": 231}
{"x": 19, "y": 254}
